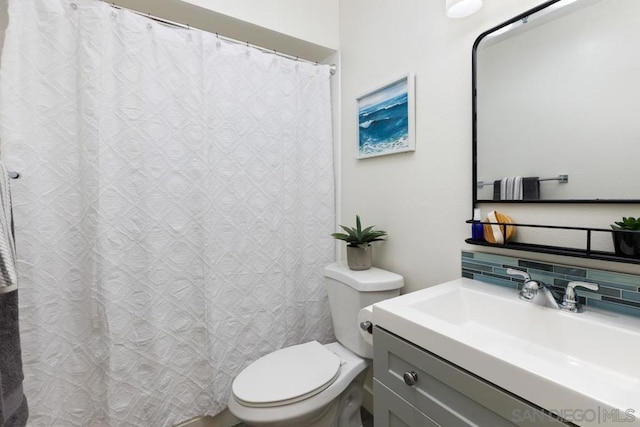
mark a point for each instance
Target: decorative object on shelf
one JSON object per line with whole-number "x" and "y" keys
{"x": 496, "y": 230}
{"x": 359, "y": 244}
{"x": 462, "y": 8}
{"x": 626, "y": 237}
{"x": 477, "y": 229}
{"x": 386, "y": 119}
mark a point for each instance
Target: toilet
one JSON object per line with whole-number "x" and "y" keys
{"x": 315, "y": 385}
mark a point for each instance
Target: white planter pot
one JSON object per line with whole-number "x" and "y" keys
{"x": 359, "y": 258}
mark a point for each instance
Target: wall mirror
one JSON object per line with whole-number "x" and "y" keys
{"x": 557, "y": 104}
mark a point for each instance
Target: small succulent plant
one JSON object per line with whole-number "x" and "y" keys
{"x": 627, "y": 223}
{"x": 358, "y": 237}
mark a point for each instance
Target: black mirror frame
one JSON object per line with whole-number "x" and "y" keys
{"x": 474, "y": 116}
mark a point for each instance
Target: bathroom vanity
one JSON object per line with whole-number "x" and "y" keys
{"x": 468, "y": 353}
{"x": 413, "y": 387}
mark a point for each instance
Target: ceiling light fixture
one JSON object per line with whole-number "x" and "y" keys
{"x": 462, "y": 8}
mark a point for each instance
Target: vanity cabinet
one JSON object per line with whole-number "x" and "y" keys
{"x": 440, "y": 394}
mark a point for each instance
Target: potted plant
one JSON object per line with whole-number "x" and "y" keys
{"x": 359, "y": 244}
{"x": 626, "y": 237}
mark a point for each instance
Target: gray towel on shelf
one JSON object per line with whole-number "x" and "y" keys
{"x": 13, "y": 404}
{"x": 496, "y": 189}
{"x": 531, "y": 188}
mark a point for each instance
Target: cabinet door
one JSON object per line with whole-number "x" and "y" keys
{"x": 447, "y": 394}
{"x": 392, "y": 411}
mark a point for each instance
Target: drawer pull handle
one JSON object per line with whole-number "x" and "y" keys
{"x": 410, "y": 378}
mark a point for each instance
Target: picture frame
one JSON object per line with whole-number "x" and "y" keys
{"x": 386, "y": 119}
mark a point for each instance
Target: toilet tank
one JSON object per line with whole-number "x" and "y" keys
{"x": 349, "y": 291}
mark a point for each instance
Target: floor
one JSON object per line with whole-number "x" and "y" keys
{"x": 367, "y": 419}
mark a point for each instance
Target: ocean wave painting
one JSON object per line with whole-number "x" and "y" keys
{"x": 385, "y": 120}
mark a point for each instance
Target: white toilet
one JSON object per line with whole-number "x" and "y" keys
{"x": 314, "y": 385}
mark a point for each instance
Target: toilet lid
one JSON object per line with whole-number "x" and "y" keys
{"x": 286, "y": 376}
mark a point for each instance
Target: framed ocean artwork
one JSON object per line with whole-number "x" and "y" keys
{"x": 386, "y": 119}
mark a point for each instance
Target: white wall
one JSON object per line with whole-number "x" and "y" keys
{"x": 423, "y": 198}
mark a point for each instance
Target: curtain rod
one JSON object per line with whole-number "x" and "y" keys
{"x": 332, "y": 67}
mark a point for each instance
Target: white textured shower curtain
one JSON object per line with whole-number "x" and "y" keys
{"x": 173, "y": 215}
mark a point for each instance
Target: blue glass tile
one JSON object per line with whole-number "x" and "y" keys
{"x": 617, "y": 308}
{"x": 535, "y": 265}
{"x": 608, "y": 291}
{"x": 502, "y": 277}
{"x": 477, "y": 267}
{"x": 631, "y": 296}
{"x": 570, "y": 271}
{"x": 611, "y": 276}
{"x": 588, "y": 294}
{"x": 621, "y": 301}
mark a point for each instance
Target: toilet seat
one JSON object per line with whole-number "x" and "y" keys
{"x": 287, "y": 376}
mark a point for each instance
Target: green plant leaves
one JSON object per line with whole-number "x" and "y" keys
{"x": 359, "y": 237}
{"x": 627, "y": 223}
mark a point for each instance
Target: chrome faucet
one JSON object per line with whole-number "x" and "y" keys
{"x": 570, "y": 301}
{"x": 537, "y": 292}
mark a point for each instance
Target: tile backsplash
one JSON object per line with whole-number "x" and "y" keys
{"x": 618, "y": 292}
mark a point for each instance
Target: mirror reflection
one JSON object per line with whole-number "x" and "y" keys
{"x": 558, "y": 104}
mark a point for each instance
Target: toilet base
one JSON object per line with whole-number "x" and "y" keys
{"x": 324, "y": 417}
{"x": 343, "y": 411}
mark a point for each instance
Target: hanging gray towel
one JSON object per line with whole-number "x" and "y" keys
{"x": 508, "y": 188}
{"x": 528, "y": 188}
{"x": 531, "y": 188}
{"x": 13, "y": 404}
{"x": 496, "y": 189}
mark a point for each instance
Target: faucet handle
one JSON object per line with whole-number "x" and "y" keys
{"x": 571, "y": 293}
{"x": 515, "y": 272}
{"x": 530, "y": 288}
{"x": 570, "y": 302}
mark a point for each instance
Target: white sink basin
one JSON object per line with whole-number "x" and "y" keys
{"x": 585, "y": 367}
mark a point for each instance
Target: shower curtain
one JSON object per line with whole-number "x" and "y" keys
{"x": 174, "y": 211}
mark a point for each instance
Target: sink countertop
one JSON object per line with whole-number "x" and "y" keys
{"x": 582, "y": 366}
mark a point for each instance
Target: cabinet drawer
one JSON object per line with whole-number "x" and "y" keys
{"x": 392, "y": 411}
{"x": 447, "y": 394}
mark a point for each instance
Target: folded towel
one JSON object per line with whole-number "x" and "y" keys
{"x": 531, "y": 188}
{"x": 8, "y": 276}
{"x": 511, "y": 188}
